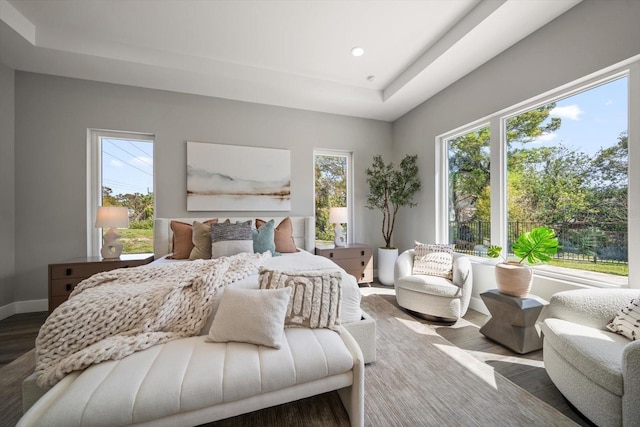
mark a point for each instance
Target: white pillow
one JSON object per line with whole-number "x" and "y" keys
{"x": 254, "y": 316}
{"x": 627, "y": 322}
{"x": 433, "y": 260}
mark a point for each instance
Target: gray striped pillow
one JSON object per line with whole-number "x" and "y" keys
{"x": 315, "y": 300}
{"x": 229, "y": 239}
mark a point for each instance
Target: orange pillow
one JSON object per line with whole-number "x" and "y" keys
{"x": 183, "y": 238}
{"x": 283, "y": 237}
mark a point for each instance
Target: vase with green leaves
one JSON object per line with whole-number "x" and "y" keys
{"x": 389, "y": 189}
{"x": 515, "y": 278}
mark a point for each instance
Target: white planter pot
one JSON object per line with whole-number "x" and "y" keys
{"x": 386, "y": 262}
{"x": 514, "y": 279}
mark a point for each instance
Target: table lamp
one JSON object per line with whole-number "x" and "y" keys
{"x": 112, "y": 217}
{"x": 339, "y": 216}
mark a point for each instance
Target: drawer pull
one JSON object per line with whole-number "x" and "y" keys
{"x": 69, "y": 287}
{"x": 68, "y": 271}
{"x": 361, "y": 253}
{"x": 362, "y": 263}
{"x": 330, "y": 254}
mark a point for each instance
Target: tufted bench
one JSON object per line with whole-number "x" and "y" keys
{"x": 190, "y": 382}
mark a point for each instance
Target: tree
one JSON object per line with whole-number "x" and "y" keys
{"x": 391, "y": 188}
{"x": 470, "y": 161}
{"x": 331, "y": 191}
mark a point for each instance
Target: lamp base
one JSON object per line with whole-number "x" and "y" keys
{"x": 111, "y": 248}
{"x": 340, "y": 237}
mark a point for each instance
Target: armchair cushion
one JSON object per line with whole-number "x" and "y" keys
{"x": 431, "y": 285}
{"x": 433, "y": 260}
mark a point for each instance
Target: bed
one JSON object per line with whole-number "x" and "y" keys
{"x": 202, "y": 381}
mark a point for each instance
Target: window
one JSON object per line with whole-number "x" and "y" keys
{"x": 121, "y": 174}
{"x": 561, "y": 163}
{"x": 332, "y": 189}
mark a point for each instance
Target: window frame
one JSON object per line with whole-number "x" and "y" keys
{"x": 350, "y": 184}
{"x": 94, "y": 178}
{"x": 498, "y": 154}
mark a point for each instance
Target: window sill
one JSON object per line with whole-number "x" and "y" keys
{"x": 577, "y": 277}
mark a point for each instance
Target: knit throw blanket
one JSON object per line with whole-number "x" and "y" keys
{"x": 113, "y": 314}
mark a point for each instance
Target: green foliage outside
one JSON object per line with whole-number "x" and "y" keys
{"x": 583, "y": 196}
{"x": 138, "y": 238}
{"x": 331, "y": 191}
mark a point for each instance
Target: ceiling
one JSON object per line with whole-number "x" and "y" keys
{"x": 277, "y": 52}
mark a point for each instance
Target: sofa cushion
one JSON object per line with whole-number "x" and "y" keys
{"x": 192, "y": 374}
{"x": 595, "y": 352}
{"x": 431, "y": 285}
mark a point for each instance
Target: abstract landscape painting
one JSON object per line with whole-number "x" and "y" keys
{"x": 237, "y": 178}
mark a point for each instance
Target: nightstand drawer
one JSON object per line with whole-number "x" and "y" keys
{"x": 60, "y": 287}
{"x": 342, "y": 253}
{"x": 356, "y": 263}
{"x": 63, "y": 271}
{"x": 362, "y": 276}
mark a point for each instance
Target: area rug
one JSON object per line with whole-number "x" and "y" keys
{"x": 419, "y": 378}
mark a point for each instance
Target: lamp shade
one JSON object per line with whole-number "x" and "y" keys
{"x": 112, "y": 216}
{"x": 338, "y": 216}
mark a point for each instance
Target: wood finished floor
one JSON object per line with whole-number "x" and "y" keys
{"x": 18, "y": 334}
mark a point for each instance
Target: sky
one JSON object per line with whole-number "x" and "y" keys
{"x": 592, "y": 119}
{"x": 127, "y": 166}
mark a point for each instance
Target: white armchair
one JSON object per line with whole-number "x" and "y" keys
{"x": 432, "y": 296}
{"x": 598, "y": 371}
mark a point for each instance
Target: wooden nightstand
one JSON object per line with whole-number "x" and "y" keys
{"x": 64, "y": 276}
{"x": 355, "y": 258}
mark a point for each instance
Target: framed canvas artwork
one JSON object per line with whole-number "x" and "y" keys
{"x": 237, "y": 178}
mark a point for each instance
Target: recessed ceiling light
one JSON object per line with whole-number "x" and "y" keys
{"x": 357, "y": 51}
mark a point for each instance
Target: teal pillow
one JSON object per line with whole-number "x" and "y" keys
{"x": 263, "y": 239}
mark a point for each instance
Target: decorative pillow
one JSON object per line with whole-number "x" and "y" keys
{"x": 201, "y": 239}
{"x": 254, "y": 316}
{"x": 316, "y": 298}
{"x": 182, "y": 238}
{"x": 283, "y": 235}
{"x": 433, "y": 260}
{"x": 229, "y": 239}
{"x": 263, "y": 239}
{"x": 627, "y": 321}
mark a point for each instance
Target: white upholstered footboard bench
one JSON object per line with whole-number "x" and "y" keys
{"x": 189, "y": 381}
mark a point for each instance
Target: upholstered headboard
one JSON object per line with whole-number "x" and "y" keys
{"x": 303, "y": 231}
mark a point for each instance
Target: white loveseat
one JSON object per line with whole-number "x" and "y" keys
{"x": 189, "y": 381}
{"x": 598, "y": 371}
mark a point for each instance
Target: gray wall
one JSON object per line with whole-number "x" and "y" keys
{"x": 52, "y": 117}
{"x": 590, "y": 37}
{"x": 7, "y": 189}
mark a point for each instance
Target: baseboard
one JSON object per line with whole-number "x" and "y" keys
{"x": 477, "y": 305}
{"x": 18, "y": 307}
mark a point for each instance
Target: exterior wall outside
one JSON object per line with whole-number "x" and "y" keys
{"x": 52, "y": 117}
{"x": 7, "y": 187}
{"x": 590, "y": 37}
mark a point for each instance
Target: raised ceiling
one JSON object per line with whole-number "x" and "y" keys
{"x": 287, "y": 53}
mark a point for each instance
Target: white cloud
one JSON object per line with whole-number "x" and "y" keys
{"x": 116, "y": 163}
{"x": 547, "y": 137}
{"x": 571, "y": 112}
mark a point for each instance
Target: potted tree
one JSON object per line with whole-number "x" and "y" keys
{"x": 389, "y": 189}
{"x": 515, "y": 278}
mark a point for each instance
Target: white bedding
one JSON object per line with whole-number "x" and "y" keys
{"x": 301, "y": 261}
